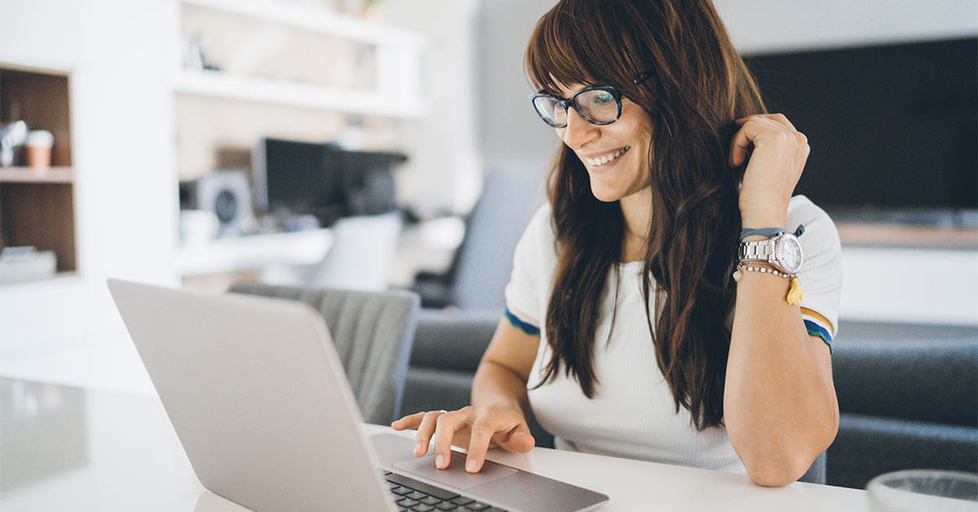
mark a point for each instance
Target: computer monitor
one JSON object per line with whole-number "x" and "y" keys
{"x": 322, "y": 179}
{"x": 295, "y": 177}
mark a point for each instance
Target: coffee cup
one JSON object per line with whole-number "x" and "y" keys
{"x": 38, "y": 146}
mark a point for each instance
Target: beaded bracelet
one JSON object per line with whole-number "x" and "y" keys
{"x": 743, "y": 267}
{"x": 794, "y": 292}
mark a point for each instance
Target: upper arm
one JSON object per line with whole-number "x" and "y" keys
{"x": 513, "y": 349}
{"x": 821, "y": 274}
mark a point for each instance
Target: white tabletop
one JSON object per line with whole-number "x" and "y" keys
{"x": 64, "y": 448}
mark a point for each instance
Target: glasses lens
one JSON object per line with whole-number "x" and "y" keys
{"x": 598, "y": 106}
{"x": 551, "y": 110}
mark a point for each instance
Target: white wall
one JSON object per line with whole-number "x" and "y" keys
{"x": 768, "y": 26}
{"x": 880, "y": 284}
{"x": 510, "y": 134}
{"x": 445, "y": 168}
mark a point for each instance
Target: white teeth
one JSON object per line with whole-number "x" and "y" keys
{"x": 607, "y": 158}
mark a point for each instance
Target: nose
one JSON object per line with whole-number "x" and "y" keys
{"x": 578, "y": 132}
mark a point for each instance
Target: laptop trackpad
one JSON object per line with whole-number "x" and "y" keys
{"x": 455, "y": 476}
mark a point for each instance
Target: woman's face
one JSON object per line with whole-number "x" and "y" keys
{"x": 615, "y": 155}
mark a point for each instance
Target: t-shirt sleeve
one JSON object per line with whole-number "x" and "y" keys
{"x": 820, "y": 277}
{"x": 529, "y": 281}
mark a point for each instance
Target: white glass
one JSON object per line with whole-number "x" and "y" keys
{"x": 924, "y": 490}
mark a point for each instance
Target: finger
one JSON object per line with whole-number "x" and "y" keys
{"x": 482, "y": 432}
{"x": 518, "y": 440}
{"x": 425, "y": 431}
{"x": 408, "y": 422}
{"x": 445, "y": 427}
{"x": 738, "y": 147}
{"x": 782, "y": 120}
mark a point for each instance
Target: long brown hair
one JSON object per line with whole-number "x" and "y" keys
{"x": 697, "y": 87}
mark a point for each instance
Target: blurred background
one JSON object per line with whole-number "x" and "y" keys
{"x": 390, "y": 143}
{"x": 348, "y": 143}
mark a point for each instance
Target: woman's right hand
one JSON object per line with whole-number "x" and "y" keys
{"x": 477, "y": 428}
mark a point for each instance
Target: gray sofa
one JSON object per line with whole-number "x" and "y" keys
{"x": 908, "y": 394}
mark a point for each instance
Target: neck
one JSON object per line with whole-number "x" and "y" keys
{"x": 637, "y": 211}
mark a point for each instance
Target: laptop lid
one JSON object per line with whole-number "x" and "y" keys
{"x": 259, "y": 399}
{"x": 257, "y": 396}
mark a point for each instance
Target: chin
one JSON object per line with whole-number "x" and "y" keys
{"x": 605, "y": 195}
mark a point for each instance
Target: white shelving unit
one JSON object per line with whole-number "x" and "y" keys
{"x": 398, "y": 55}
{"x": 220, "y": 85}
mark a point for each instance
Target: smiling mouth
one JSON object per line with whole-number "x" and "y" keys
{"x": 607, "y": 158}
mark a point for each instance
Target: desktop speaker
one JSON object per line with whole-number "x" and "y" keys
{"x": 227, "y": 194}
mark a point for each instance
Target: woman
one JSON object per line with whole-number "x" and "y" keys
{"x": 641, "y": 322}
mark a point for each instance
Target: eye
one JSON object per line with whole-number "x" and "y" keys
{"x": 604, "y": 98}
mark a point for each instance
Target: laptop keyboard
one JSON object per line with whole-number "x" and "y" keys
{"x": 411, "y": 495}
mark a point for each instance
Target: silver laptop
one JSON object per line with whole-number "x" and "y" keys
{"x": 260, "y": 402}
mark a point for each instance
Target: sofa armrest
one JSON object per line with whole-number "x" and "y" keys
{"x": 452, "y": 339}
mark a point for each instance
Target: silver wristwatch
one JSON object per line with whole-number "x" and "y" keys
{"x": 783, "y": 252}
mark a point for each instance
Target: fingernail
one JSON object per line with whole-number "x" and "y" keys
{"x": 418, "y": 449}
{"x": 470, "y": 465}
{"x": 440, "y": 461}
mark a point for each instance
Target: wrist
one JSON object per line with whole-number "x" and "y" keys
{"x": 763, "y": 218}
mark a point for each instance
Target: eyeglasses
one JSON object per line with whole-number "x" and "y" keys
{"x": 600, "y": 105}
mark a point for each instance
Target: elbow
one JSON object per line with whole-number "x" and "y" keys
{"x": 776, "y": 471}
{"x": 782, "y": 467}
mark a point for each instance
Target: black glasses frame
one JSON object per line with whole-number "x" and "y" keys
{"x": 572, "y": 101}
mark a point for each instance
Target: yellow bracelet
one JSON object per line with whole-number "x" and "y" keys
{"x": 794, "y": 292}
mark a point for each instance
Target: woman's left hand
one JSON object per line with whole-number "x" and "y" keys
{"x": 775, "y": 165}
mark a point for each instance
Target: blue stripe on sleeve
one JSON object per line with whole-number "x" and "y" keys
{"x": 817, "y": 330}
{"x": 528, "y": 328}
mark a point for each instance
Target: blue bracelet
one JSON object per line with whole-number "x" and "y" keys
{"x": 769, "y": 232}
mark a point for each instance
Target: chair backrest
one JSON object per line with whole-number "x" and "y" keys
{"x": 373, "y": 333}
{"x": 484, "y": 260}
{"x": 362, "y": 252}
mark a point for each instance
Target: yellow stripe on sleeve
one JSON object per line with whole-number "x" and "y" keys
{"x": 818, "y": 316}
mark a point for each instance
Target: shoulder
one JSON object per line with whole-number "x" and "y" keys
{"x": 820, "y": 230}
{"x": 541, "y": 219}
{"x": 539, "y": 232}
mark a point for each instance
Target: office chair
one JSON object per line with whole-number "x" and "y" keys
{"x": 362, "y": 252}
{"x": 484, "y": 260}
{"x": 373, "y": 333}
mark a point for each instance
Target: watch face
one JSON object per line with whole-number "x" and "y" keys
{"x": 789, "y": 254}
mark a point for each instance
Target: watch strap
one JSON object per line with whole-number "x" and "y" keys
{"x": 765, "y": 232}
{"x": 769, "y": 232}
{"x": 760, "y": 250}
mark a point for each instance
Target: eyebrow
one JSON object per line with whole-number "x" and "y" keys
{"x": 584, "y": 85}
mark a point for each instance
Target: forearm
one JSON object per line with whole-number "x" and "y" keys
{"x": 780, "y": 408}
{"x": 496, "y": 384}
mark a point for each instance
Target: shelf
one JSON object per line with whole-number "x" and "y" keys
{"x": 219, "y": 85}
{"x": 59, "y": 276}
{"x": 32, "y": 175}
{"x": 254, "y": 252}
{"x": 901, "y": 235}
{"x": 318, "y": 20}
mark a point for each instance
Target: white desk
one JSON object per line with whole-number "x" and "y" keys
{"x": 254, "y": 252}
{"x": 65, "y": 448}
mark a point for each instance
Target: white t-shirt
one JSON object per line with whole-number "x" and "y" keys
{"x": 633, "y": 413}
